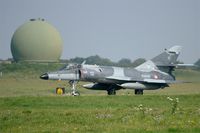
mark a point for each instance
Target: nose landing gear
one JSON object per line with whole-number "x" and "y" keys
{"x": 73, "y": 84}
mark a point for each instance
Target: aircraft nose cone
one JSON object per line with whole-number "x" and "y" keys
{"x": 44, "y": 76}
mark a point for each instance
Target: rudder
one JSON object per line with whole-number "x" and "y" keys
{"x": 168, "y": 57}
{"x": 167, "y": 60}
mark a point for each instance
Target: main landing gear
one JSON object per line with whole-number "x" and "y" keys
{"x": 111, "y": 90}
{"x": 138, "y": 92}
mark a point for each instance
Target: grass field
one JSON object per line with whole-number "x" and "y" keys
{"x": 30, "y": 105}
{"x": 109, "y": 114}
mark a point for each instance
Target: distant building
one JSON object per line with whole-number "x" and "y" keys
{"x": 37, "y": 41}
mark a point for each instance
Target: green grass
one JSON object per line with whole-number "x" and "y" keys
{"x": 98, "y": 114}
{"x": 30, "y": 105}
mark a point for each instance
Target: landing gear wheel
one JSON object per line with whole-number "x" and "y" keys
{"x": 138, "y": 92}
{"x": 60, "y": 90}
{"x": 75, "y": 93}
{"x": 111, "y": 91}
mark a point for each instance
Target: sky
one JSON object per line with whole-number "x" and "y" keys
{"x": 113, "y": 29}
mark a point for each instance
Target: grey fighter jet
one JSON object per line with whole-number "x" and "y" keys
{"x": 153, "y": 74}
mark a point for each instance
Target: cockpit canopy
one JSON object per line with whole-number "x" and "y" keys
{"x": 71, "y": 67}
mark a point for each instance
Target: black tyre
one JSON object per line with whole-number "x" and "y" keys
{"x": 111, "y": 92}
{"x": 138, "y": 92}
{"x": 76, "y": 93}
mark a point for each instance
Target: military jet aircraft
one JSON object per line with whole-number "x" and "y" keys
{"x": 152, "y": 74}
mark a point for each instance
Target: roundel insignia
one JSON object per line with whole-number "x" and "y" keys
{"x": 155, "y": 76}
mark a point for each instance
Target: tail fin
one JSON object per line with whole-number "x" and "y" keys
{"x": 165, "y": 61}
{"x": 168, "y": 57}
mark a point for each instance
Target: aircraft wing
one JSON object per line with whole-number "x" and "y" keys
{"x": 155, "y": 81}
{"x": 119, "y": 78}
{"x": 128, "y": 79}
{"x": 160, "y": 81}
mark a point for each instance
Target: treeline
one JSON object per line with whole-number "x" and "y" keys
{"x": 124, "y": 62}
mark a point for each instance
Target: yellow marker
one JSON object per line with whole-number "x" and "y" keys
{"x": 59, "y": 91}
